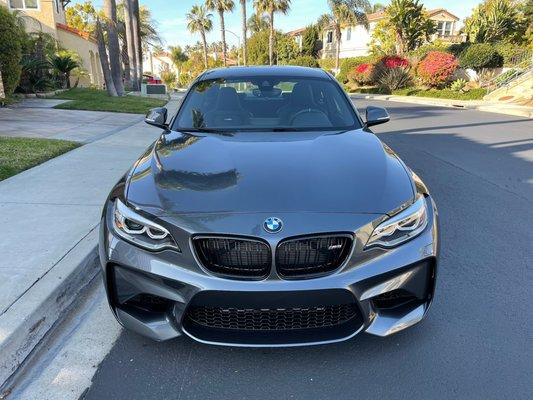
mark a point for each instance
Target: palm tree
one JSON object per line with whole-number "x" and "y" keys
{"x": 343, "y": 12}
{"x": 199, "y": 21}
{"x": 2, "y": 91}
{"x": 221, "y": 6}
{"x": 104, "y": 62}
{"x": 244, "y": 28}
{"x": 410, "y": 23}
{"x": 272, "y": 7}
{"x": 257, "y": 23}
{"x": 130, "y": 67}
{"x": 110, "y": 10}
{"x": 64, "y": 64}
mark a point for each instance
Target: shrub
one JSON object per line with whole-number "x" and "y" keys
{"x": 457, "y": 48}
{"x": 362, "y": 74}
{"x": 513, "y": 54}
{"x": 169, "y": 78}
{"x": 327, "y": 63}
{"x": 425, "y": 49}
{"x": 437, "y": 68}
{"x": 458, "y": 85}
{"x": 305, "y": 61}
{"x": 480, "y": 55}
{"x": 394, "y": 79}
{"x": 348, "y": 64}
{"x": 385, "y": 64}
{"x": 12, "y": 39}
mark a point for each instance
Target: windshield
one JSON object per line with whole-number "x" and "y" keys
{"x": 266, "y": 103}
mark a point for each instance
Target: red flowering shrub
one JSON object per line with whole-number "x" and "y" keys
{"x": 361, "y": 74}
{"x": 437, "y": 68}
{"x": 394, "y": 62}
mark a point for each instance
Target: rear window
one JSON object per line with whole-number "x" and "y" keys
{"x": 266, "y": 103}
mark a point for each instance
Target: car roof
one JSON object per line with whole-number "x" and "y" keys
{"x": 274, "y": 71}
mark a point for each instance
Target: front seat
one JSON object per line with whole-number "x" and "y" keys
{"x": 228, "y": 110}
{"x": 300, "y": 99}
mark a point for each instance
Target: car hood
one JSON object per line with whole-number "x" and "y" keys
{"x": 254, "y": 172}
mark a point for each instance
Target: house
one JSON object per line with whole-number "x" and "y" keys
{"x": 154, "y": 63}
{"x": 298, "y": 36}
{"x": 356, "y": 39}
{"x": 48, "y": 16}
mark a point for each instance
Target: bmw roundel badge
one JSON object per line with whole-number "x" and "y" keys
{"x": 273, "y": 225}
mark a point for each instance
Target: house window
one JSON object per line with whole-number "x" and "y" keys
{"x": 448, "y": 28}
{"x": 24, "y": 4}
{"x": 330, "y": 37}
{"x": 349, "y": 34}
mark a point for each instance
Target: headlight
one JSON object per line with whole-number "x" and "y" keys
{"x": 401, "y": 227}
{"x": 140, "y": 231}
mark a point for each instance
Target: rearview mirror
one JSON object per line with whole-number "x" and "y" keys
{"x": 376, "y": 116}
{"x": 157, "y": 117}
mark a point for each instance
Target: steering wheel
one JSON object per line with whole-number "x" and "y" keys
{"x": 307, "y": 111}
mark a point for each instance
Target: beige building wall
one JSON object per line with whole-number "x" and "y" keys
{"x": 49, "y": 17}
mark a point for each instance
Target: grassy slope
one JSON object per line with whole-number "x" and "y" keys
{"x": 98, "y": 100}
{"x": 19, "y": 154}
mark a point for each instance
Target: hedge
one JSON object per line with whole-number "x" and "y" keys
{"x": 348, "y": 64}
{"x": 480, "y": 55}
{"x": 12, "y": 38}
{"x": 305, "y": 61}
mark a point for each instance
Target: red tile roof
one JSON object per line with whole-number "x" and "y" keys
{"x": 74, "y": 31}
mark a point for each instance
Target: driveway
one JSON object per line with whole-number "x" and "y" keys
{"x": 36, "y": 118}
{"x": 476, "y": 341}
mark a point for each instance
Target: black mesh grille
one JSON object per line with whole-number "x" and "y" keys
{"x": 234, "y": 257}
{"x": 281, "y": 319}
{"x": 312, "y": 256}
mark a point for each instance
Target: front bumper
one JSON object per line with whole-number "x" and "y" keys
{"x": 151, "y": 293}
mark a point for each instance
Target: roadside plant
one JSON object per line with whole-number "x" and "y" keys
{"x": 12, "y": 38}
{"x": 437, "y": 69}
{"x": 63, "y": 64}
{"x": 393, "y": 79}
{"x": 479, "y": 56}
{"x": 458, "y": 85}
{"x": 362, "y": 74}
{"x": 385, "y": 64}
{"x": 311, "y": 41}
{"x": 169, "y": 78}
{"x": 305, "y": 61}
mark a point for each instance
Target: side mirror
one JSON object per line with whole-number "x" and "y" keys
{"x": 157, "y": 117}
{"x": 376, "y": 116}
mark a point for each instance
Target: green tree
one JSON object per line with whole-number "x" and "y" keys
{"x": 286, "y": 48}
{"x": 383, "y": 39}
{"x": 343, "y": 12}
{"x": 311, "y": 41}
{"x": 495, "y": 20}
{"x": 82, "y": 16}
{"x": 374, "y": 8}
{"x": 411, "y": 24}
{"x": 177, "y": 55}
{"x": 200, "y": 21}
{"x": 221, "y": 6}
{"x": 12, "y": 38}
{"x": 272, "y": 7}
{"x": 257, "y": 48}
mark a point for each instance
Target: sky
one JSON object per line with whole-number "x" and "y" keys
{"x": 171, "y": 24}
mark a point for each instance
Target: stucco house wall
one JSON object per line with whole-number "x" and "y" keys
{"x": 48, "y": 16}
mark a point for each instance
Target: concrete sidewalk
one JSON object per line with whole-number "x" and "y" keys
{"x": 481, "y": 105}
{"x": 49, "y": 217}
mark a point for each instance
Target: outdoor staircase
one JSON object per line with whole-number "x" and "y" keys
{"x": 516, "y": 87}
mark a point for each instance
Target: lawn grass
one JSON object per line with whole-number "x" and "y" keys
{"x": 98, "y": 100}
{"x": 19, "y": 154}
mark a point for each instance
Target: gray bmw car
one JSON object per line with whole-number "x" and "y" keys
{"x": 268, "y": 214}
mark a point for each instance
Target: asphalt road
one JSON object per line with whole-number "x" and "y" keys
{"x": 475, "y": 344}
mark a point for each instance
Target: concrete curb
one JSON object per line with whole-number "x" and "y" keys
{"x": 28, "y": 320}
{"x": 480, "y": 105}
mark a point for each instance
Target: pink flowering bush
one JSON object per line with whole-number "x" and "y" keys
{"x": 362, "y": 74}
{"x": 437, "y": 68}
